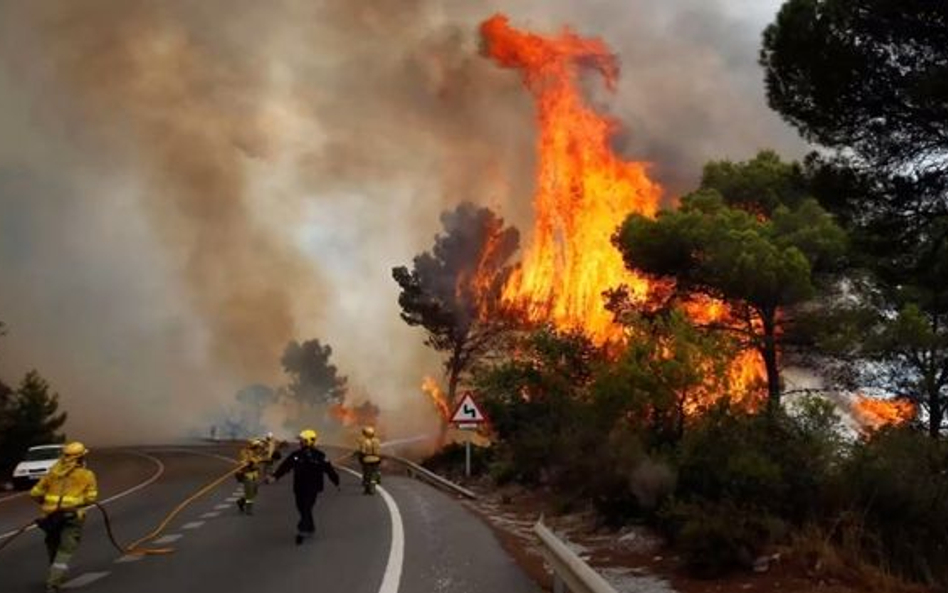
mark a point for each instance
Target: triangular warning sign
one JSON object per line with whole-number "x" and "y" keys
{"x": 467, "y": 411}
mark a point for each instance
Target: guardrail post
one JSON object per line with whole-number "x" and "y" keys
{"x": 570, "y": 572}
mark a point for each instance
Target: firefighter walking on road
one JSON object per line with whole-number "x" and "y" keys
{"x": 272, "y": 454}
{"x": 309, "y": 465}
{"x": 252, "y": 459}
{"x": 370, "y": 457}
{"x": 62, "y": 495}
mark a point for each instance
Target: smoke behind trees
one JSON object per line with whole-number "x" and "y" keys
{"x": 187, "y": 186}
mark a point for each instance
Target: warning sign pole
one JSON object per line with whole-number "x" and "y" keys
{"x": 467, "y": 456}
{"x": 468, "y": 416}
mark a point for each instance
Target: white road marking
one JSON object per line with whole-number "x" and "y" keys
{"x": 13, "y": 496}
{"x": 129, "y": 558}
{"x": 210, "y": 515}
{"x": 192, "y": 525}
{"x": 230, "y": 460}
{"x": 222, "y": 507}
{"x": 123, "y": 494}
{"x": 167, "y": 539}
{"x": 392, "y": 577}
{"x": 232, "y": 499}
{"x": 85, "y": 579}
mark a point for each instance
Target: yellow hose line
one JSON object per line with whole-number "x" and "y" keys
{"x": 134, "y": 547}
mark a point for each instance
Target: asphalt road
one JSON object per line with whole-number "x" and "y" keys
{"x": 410, "y": 539}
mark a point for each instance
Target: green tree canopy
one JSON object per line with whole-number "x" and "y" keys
{"x": 868, "y": 80}
{"x": 760, "y": 185}
{"x": 758, "y": 266}
{"x": 454, "y": 290}
{"x": 866, "y": 76}
{"x": 314, "y": 379}
{"x": 31, "y": 417}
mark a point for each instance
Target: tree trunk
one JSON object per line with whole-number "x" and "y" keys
{"x": 454, "y": 375}
{"x": 768, "y": 350}
{"x": 936, "y": 411}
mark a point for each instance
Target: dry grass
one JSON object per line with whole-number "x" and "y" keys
{"x": 836, "y": 558}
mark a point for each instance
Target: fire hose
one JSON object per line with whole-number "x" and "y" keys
{"x": 135, "y": 548}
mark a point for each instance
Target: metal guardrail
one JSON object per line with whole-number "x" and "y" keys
{"x": 570, "y": 572}
{"x": 415, "y": 470}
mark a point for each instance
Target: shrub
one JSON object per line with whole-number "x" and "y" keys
{"x": 717, "y": 537}
{"x": 897, "y": 480}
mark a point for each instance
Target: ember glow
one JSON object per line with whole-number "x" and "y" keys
{"x": 584, "y": 191}
{"x": 876, "y": 413}
{"x": 438, "y": 399}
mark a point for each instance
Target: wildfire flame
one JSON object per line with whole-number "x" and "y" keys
{"x": 430, "y": 387}
{"x": 583, "y": 193}
{"x": 365, "y": 414}
{"x": 584, "y": 190}
{"x": 346, "y": 416}
{"x": 876, "y": 413}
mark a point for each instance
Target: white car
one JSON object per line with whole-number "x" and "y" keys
{"x": 36, "y": 464}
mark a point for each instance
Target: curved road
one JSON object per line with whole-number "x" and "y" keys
{"x": 412, "y": 539}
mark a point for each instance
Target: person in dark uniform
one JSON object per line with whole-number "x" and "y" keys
{"x": 309, "y": 464}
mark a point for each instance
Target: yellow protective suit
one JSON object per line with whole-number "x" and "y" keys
{"x": 67, "y": 487}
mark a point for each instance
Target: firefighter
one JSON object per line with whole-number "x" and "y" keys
{"x": 370, "y": 456}
{"x": 252, "y": 458}
{"x": 309, "y": 465}
{"x": 272, "y": 455}
{"x": 62, "y": 495}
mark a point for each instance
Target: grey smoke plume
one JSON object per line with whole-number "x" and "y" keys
{"x": 186, "y": 186}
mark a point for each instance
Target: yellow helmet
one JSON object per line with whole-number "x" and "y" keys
{"x": 368, "y": 431}
{"x": 75, "y": 450}
{"x": 308, "y": 437}
{"x": 257, "y": 444}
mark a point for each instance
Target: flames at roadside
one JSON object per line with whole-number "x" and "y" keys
{"x": 584, "y": 191}
{"x": 365, "y": 414}
{"x": 875, "y": 413}
{"x": 430, "y": 387}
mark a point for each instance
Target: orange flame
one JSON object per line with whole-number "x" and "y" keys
{"x": 430, "y": 387}
{"x": 365, "y": 414}
{"x": 346, "y": 416}
{"x": 876, "y": 413}
{"x": 584, "y": 190}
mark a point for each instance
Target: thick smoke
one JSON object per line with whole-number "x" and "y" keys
{"x": 186, "y": 186}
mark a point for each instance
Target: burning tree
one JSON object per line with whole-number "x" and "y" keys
{"x": 758, "y": 265}
{"x": 584, "y": 192}
{"x": 454, "y": 290}
{"x": 584, "y": 189}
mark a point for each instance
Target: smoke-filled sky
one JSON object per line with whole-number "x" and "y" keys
{"x": 185, "y": 186}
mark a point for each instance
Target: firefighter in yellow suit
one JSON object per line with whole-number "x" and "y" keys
{"x": 370, "y": 456}
{"x": 62, "y": 493}
{"x": 252, "y": 459}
